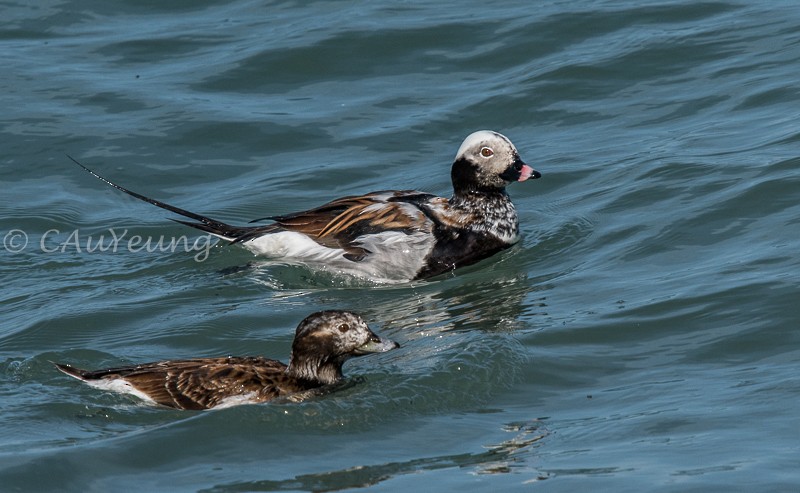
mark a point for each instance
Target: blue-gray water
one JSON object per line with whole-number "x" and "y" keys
{"x": 643, "y": 336}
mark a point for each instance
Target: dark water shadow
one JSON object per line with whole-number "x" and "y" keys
{"x": 509, "y": 456}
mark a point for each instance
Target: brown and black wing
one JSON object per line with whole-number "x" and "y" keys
{"x": 336, "y": 224}
{"x": 198, "y": 383}
{"x": 339, "y": 223}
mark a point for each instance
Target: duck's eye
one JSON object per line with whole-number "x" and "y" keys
{"x": 344, "y": 328}
{"x": 486, "y": 152}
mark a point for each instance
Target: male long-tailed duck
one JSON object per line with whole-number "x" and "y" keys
{"x": 322, "y": 343}
{"x": 394, "y": 235}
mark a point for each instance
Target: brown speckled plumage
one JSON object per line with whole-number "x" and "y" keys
{"x": 322, "y": 343}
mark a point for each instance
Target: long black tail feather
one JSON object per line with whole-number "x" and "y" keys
{"x": 234, "y": 234}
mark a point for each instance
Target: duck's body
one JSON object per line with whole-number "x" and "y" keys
{"x": 390, "y": 235}
{"x": 323, "y": 342}
{"x": 200, "y": 383}
{"x": 395, "y": 235}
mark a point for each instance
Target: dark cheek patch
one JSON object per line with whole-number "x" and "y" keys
{"x": 513, "y": 173}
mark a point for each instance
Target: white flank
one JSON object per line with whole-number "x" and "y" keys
{"x": 118, "y": 385}
{"x": 237, "y": 400}
{"x": 291, "y": 245}
{"x": 394, "y": 256}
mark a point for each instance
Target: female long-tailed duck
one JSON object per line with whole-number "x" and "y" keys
{"x": 322, "y": 343}
{"x": 394, "y": 235}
